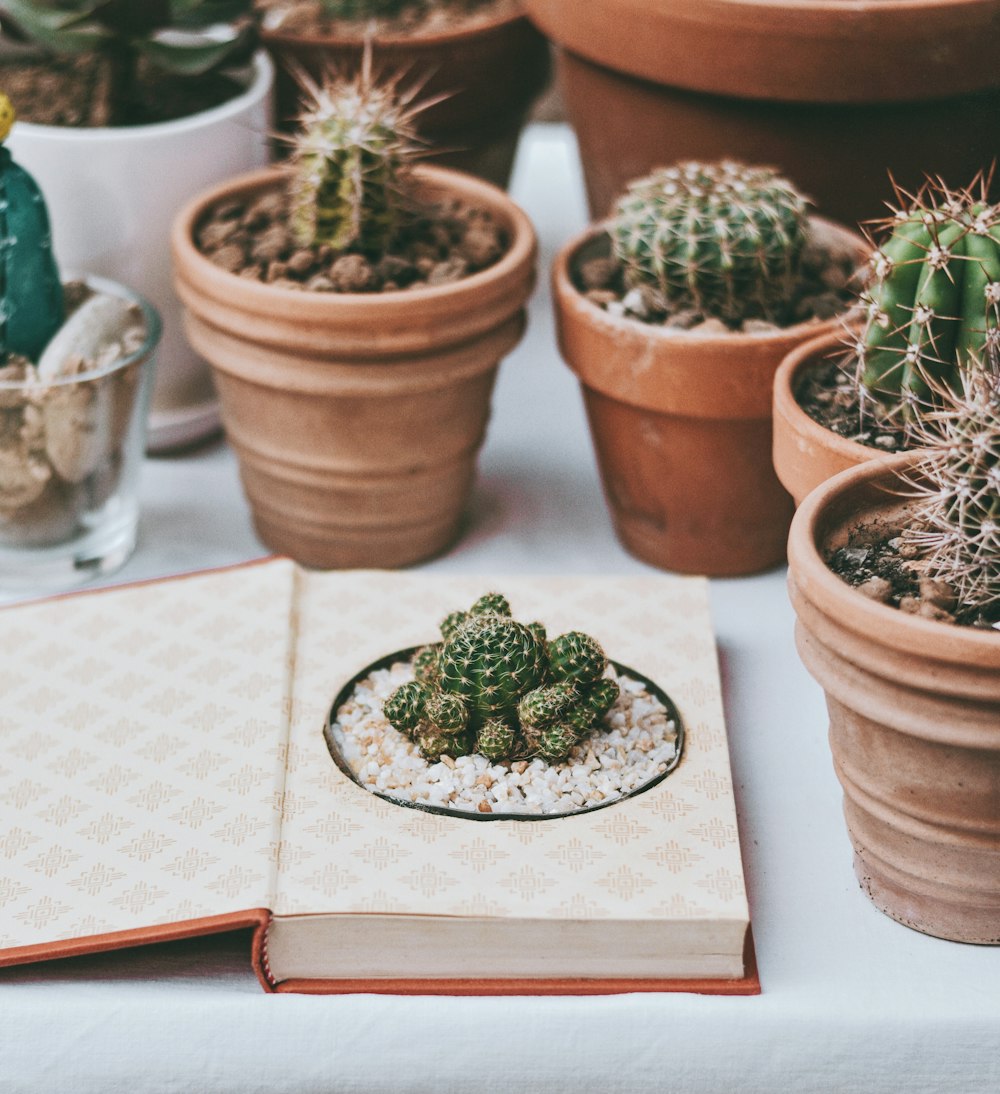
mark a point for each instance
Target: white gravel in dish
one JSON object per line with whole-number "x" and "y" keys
{"x": 639, "y": 742}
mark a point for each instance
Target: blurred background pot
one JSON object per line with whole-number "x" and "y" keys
{"x": 112, "y": 195}
{"x": 907, "y": 86}
{"x": 357, "y": 417}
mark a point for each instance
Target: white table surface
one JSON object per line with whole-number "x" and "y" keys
{"x": 850, "y": 1002}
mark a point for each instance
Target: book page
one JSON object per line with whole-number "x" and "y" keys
{"x": 142, "y": 735}
{"x": 670, "y": 853}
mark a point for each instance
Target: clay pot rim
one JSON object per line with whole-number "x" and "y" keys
{"x": 567, "y": 291}
{"x": 519, "y": 255}
{"x": 275, "y": 36}
{"x": 943, "y": 642}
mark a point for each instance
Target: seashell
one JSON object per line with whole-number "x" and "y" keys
{"x": 76, "y": 420}
{"x": 23, "y": 477}
{"x": 100, "y": 321}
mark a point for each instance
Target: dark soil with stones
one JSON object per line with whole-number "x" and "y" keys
{"x": 828, "y": 392}
{"x": 827, "y": 286}
{"x": 75, "y": 91}
{"x": 420, "y": 17}
{"x": 880, "y": 566}
{"x": 438, "y": 245}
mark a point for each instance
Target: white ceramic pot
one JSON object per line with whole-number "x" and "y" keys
{"x": 112, "y": 195}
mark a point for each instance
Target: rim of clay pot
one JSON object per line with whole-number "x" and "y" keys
{"x": 396, "y": 41}
{"x": 787, "y": 50}
{"x": 258, "y": 296}
{"x": 712, "y": 372}
{"x": 831, "y": 504}
{"x": 673, "y": 714}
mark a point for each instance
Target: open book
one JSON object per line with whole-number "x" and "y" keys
{"x": 164, "y": 773}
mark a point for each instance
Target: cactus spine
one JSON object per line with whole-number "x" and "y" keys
{"x": 349, "y": 159}
{"x": 31, "y": 296}
{"x": 934, "y": 303}
{"x": 723, "y": 238}
{"x": 496, "y": 681}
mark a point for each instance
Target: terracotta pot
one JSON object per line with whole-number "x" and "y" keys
{"x": 357, "y": 418}
{"x": 681, "y": 422}
{"x": 907, "y": 86}
{"x": 488, "y": 75}
{"x": 805, "y": 452}
{"x": 914, "y": 724}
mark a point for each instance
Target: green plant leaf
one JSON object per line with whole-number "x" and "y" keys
{"x": 63, "y": 28}
{"x": 193, "y": 14}
{"x": 198, "y": 55}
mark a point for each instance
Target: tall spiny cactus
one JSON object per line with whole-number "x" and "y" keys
{"x": 31, "y": 296}
{"x": 934, "y": 303}
{"x": 955, "y": 531}
{"x": 723, "y": 238}
{"x": 349, "y": 158}
{"x": 496, "y": 683}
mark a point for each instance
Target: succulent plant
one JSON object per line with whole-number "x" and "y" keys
{"x": 387, "y": 9}
{"x": 349, "y": 158}
{"x": 955, "y": 529}
{"x": 516, "y": 694}
{"x": 724, "y": 239}
{"x": 31, "y": 295}
{"x": 933, "y": 306}
{"x": 170, "y": 34}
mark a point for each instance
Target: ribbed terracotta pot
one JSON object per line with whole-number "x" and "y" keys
{"x": 487, "y": 76}
{"x": 357, "y": 418}
{"x": 805, "y": 452}
{"x": 681, "y": 423}
{"x": 907, "y": 86}
{"x": 914, "y": 710}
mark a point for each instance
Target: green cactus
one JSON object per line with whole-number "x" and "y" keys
{"x": 451, "y": 623}
{"x": 546, "y": 705}
{"x": 491, "y": 602}
{"x": 349, "y": 159}
{"x": 538, "y": 630}
{"x": 577, "y": 658}
{"x": 446, "y": 713}
{"x": 404, "y": 709}
{"x": 602, "y": 696}
{"x": 31, "y": 295}
{"x": 433, "y": 744}
{"x": 955, "y": 528}
{"x": 934, "y": 302}
{"x": 723, "y": 238}
{"x": 555, "y": 742}
{"x": 497, "y": 739}
{"x": 364, "y": 9}
{"x": 425, "y": 663}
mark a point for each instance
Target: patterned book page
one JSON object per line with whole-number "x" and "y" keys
{"x": 670, "y": 853}
{"x": 142, "y": 753}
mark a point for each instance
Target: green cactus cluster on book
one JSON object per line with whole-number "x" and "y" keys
{"x": 933, "y": 305}
{"x": 722, "y": 238}
{"x": 498, "y": 687}
{"x": 354, "y": 142}
{"x": 31, "y": 295}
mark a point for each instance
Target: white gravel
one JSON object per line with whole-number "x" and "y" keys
{"x": 638, "y": 743}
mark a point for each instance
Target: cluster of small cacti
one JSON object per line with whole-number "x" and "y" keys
{"x": 349, "y": 157}
{"x": 31, "y": 294}
{"x": 933, "y": 307}
{"x": 501, "y": 688}
{"x": 955, "y": 530}
{"x": 723, "y": 239}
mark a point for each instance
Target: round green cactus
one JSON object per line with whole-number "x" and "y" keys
{"x": 491, "y": 602}
{"x": 425, "y": 663}
{"x": 31, "y": 295}
{"x": 434, "y": 744}
{"x": 545, "y": 705}
{"x": 554, "y": 743}
{"x": 602, "y": 696}
{"x": 577, "y": 658}
{"x": 404, "y": 709}
{"x": 445, "y": 712}
{"x": 451, "y": 623}
{"x": 933, "y": 306}
{"x": 496, "y": 739}
{"x": 724, "y": 239}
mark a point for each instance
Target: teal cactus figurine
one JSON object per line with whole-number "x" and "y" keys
{"x": 933, "y": 306}
{"x": 724, "y": 239}
{"x": 495, "y": 682}
{"x": 31, "y": 295}
{"x": 349, "y": 160}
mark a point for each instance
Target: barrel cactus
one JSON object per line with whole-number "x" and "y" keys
{"x": 31, "y": 296}
{"x": 724, "y": 239}
{"x": 495, "y": 685}
{"x": 350, "y": 154}
{"x": 933, "y": 306}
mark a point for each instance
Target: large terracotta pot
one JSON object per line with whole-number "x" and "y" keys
{"x": 487, "y": 75}
{"x": 907, "y": 86}
{"x": 681, "y": 422}
{"x": 805, "y": 452}
{"x": 914, "y": 723}
{"x": 357, "y": 418}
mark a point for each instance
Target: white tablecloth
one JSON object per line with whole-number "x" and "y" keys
{"x": 851, "y": 1001}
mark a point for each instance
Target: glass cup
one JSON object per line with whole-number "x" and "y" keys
{"x": 70, "y": 453}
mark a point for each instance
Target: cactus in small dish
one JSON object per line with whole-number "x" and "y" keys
{"x": 724, "y": 239}
{"x": 31, "y": 294}
{"x": 933, "y": 305}
{"x": 354, "y": 142}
